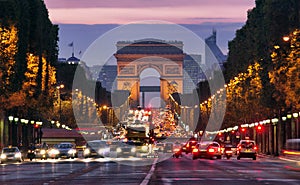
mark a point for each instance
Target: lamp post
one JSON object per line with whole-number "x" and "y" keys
{"x": 15, "y": 132}
{"x": 10, "y": 118}
{"x": 61, "y": 86}
{"x": 296, "y": 115}
{"x": 275, "y": 138}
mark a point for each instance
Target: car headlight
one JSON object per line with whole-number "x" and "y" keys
{"x": 103, "y": 150}
{"x": 18, "y": 155}
{"x": 54, "y": 152}
{"x": 119, "y": 150}
{"x": 86, "y": 151}
{"x": 71, "y": 151}
{"x": 133, "y": 150}
{"x": 144, "y": 148}
{"x": 3, "y": 156}
{"x": 43, "y": 152}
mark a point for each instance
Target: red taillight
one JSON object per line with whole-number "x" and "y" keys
{"x": 255, "y": 148}
{"x": 176, "y": 150}
{"x": 195, "y": 150}
{"x": 211, "y": 150}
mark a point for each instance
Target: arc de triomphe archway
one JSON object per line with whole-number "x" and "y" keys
{"x": 133, "y": 57}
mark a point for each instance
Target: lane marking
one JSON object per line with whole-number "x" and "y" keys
{"x": 151, "y": 171}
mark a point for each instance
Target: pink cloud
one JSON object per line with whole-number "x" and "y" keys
{"x": 122, "y": 12}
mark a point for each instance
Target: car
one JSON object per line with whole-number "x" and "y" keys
{"x": 291, "y": 150}
{"x": 177, "y": 150}
{"x": 125, "y": 149}
{"x": 66, "y": 150}
{"x": 53, "y": 152}
{"x": 246, "y": 149}
{"x": 168, "y": 148}
{"x": 41, "y": 151}
{"x": 159, "y": 147}
{"x": 96, "y": 148}
{"x": 142, "y": 149}
{"x": 11, "y": 154}
{"x": 228, "y": 151}
{"x": 207, "y": 149}
{"x": 189, "y": 146}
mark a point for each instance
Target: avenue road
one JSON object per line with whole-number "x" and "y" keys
{"x": 183, "y": 171}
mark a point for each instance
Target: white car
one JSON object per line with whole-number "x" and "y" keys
{"x": 246, "y": 149}
{"x": 11, "y": 154}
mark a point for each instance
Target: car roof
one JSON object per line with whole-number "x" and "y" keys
{"x": 207, "y": 142}
{"x": 247, "y": 140}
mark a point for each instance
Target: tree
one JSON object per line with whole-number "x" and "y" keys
{"x": 285, "y": 74}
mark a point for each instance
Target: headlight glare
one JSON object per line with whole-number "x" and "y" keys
{"x": 3, "y": 156}
{"x": 18, "y": 155}
{"x": 119, "y": 150}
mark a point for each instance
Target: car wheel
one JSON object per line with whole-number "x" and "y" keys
{"x": 194, "y": 157}
{"x": 219, "y": 157}
{"x": 238, "y": 158}
{"x": 254, "y": 158}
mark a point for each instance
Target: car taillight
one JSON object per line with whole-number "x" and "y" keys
{"x": 195, "y": 150}
{"x": 219, "y": 149}
{"x": 176, "y": 150}
{"x": 255, "y": 148}
{"x": 211, "y": 150}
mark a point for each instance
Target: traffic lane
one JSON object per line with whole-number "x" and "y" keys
{"x": 75, "y": 171}
{"x": 39, "y": 173}
{"x": 204, "y": 171}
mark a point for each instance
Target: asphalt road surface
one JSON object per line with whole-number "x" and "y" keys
{"x": 135, "y": 171}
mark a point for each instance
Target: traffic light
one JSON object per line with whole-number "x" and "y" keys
{"x": 259, "y": 128}
{"x": 36, "y": 126}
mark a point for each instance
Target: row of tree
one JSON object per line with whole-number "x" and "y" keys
{"x": 28, "y": 57}
{"x": 264, "y": 67}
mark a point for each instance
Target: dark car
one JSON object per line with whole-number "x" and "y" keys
{"x": 177, "y": 149}
{"x": 11, "y": 154}
{"x": 246, "y": 149}
{"x": 189, "y": 146}
{"x": 207, "y": 149}
{"x": 228, "y": 151}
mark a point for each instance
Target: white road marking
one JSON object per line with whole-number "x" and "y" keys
{"x": 148, "y": 176}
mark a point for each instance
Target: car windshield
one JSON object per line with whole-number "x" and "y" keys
{"x": 65, "y": 146}
{"x": 203, "y": 145}
{"x": 247, "y": 144}
{"x": 9, "y": 150}
{"x": 97, "y": 144}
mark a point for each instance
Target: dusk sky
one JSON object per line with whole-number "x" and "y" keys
{"x": 83, "y": 21}
{"x": 126, "y": 11}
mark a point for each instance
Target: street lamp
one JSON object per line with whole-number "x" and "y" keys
{"x": 10, "y": 118}
{"x": 61, "y": 86}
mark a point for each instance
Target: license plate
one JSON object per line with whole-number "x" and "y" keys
{"x": 10, "y": 158}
